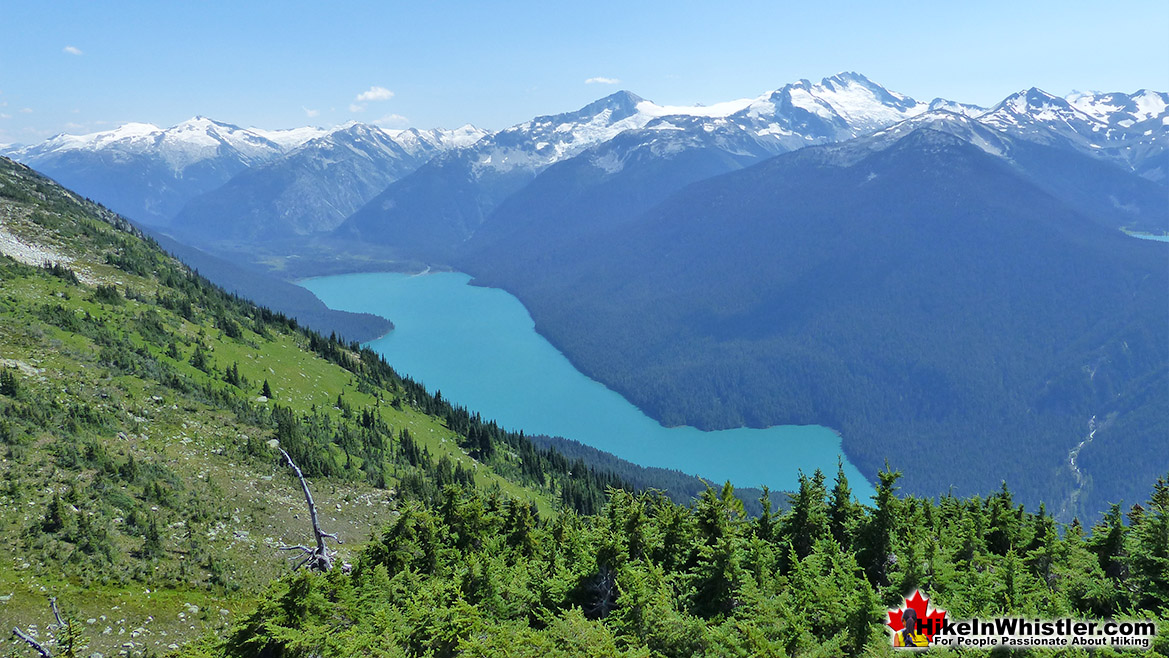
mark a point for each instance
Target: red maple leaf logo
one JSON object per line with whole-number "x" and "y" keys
{"x": 929, "y": 619}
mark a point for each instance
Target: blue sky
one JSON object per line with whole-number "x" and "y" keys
{"x": 85, "y": 66}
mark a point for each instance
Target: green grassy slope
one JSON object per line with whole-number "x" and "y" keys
{"x": 140, "y": 485}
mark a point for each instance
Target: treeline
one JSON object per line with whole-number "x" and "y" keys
{"x": 678, "y": 486}
{"x": 476, "y": 575}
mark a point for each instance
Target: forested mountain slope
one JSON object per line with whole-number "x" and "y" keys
{"x": 139, "y": 407}
{"x": 649, "y": 578}
{"x": 929, "y": 298}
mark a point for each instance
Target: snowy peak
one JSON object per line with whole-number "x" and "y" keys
{"x": 965, "y": 109}
{"x": 1036, "y": 104}
{"x": 180, "y": 146}
{"x": 955, "y": 124}
{"x": 417, "y": 142}
{"x": 1144, "y": 108}
{"x": 617, "y": 106}
{"x": 201, "y": 138}
{"x": 360, "y": 138}
{"x": 1038, "y": 116}
{"x": 460, "y": 137}
{"x": 535, "y": 144}
{"x": 840, "y": 107}
{"x": 290, "y": 138}
{"x": 126, "y": 136}
{"x": 853, "y": 91}
{"x": 409, "y": 143}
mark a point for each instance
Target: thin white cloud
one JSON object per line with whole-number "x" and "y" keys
{"x": 26, "y": 110}
{"x": 392, "y": 121}
{"x": 374, "y": 94}
{"x": 602, "y": 81}
{"x": 5, "y": 116}
{"x": 355, "y": 107}
{"x": 310, "y": 113}
{"x": 72, "y": 50}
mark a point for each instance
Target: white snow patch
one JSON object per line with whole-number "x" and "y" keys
{"x": 1150, "y": 104}
{"x": 291, "y": 138}
{"x": 724, "y": 109}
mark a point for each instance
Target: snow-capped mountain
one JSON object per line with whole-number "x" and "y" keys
{"x": 180, "y": 146}
{"x": 1140, "y": 111}
{"x": 290, "y": 138}
{"x": 1130, "y": 131}
{"x": 1038, "y": 116}
{"x": 147, "y": 173}
{"x": 964, "y": 109}
{"x": 428, "y": 192}
{"x": 315, "y": 186}
{"x": 150, "y": 173}
{"x": 422, "y": 142}
{"x": 840, "y": 107}
{"x": 443, "y": 203}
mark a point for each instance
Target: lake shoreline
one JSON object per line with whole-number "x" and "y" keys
{"x": 479, "y": 346}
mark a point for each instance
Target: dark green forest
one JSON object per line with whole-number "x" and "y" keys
{"x": 938, "y": 307}
{"x": 477, "y": 575}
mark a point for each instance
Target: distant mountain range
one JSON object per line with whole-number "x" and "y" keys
{"x": 147, "y": 173}
{"x": 944, "y": 283}
{"x": 314, "y": 187}
{"x": 424, "y": 193}
{"x": 150, "y": 174}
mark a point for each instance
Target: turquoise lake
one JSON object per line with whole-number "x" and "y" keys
{"x": 479, "y": 347}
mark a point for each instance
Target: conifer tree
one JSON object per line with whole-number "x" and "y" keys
{"x": 842, "y": 510}
{"x": 1149, "y": 559}
{"x": 807, "y": 521}
{"x": 8, "y": 383}
{"x": 875, "y": 551}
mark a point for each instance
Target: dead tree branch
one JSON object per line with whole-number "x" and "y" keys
{"x": 45, "y": 653}
{"x": 319, "y": 558}
{"x": 62, "y": 625}
{"x": 56, "y": 612}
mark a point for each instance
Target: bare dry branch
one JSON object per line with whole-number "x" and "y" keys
{"x": 321, "y": 558}
{"x": 32, "y": 643}
{"x": 56, "y": 612}
{"x": 295, "y": 548}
